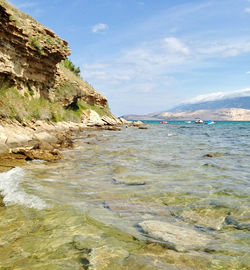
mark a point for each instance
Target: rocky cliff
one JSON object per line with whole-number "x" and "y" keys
{"x": 30, "y": 61}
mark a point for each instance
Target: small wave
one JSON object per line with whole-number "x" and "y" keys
{"x": 12, "y": 192}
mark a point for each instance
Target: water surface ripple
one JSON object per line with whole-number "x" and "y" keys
{"x": 139, "y": 182}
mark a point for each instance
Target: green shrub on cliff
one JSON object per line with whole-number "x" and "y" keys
{"x": 82, "y": 105}
{"x": 34, "y": 42}
{"x": 69, "y": 65}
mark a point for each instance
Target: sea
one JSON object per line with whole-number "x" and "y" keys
{"x": 173, "y": 196}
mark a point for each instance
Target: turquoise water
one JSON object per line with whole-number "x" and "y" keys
{"x": 115, "y": 184}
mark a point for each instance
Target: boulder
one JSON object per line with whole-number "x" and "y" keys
{"x": 138, "y": 124}
{"x": 110, "y": 120}
{"x": 178, "y": 237}
{"x": 43, "y": 146}
{"x": 47, "y": 155}
{"x": 95, "y": 119}
{"x": 45, "y": 136}
{"x": 124, "y": 121}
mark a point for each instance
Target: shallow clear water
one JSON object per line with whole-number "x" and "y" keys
{"x": 112, "y": 182}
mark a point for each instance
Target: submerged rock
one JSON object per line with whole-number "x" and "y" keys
{"x": 217, "y": 154}
{"x": 232, "y": 222}
{"x": 1, "y": 202}
{"x": 178, "y": 237}
{"x": 129, "y": 182}
{"x": 107, "y": 257}
{"x": 84, "y": 242}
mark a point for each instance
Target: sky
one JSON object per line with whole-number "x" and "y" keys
{"x": 150, "y": 55}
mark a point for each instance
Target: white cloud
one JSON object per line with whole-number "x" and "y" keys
{"x": 223, "y": 48}
{"x": 173, "y": 45}
{"x": 247, "y": 10}
{"x": 156, "y": 61}
{"x": 248, "y": 72}
{"x": 24, "y": 5}
{"x": 220, "y": 95}
{"x": 100, "y": 27}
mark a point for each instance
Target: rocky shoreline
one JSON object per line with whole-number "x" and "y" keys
{"x": 42, "y": 140}
{"x": 20, "y": 142}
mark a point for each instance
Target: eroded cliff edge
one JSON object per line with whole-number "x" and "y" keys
{"x": 31, "y": 58}
{"x": 39, "y": 88}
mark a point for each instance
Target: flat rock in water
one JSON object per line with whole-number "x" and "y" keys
{"x": 107, "y": 258}
{"x": 129, "y": 182}
{"x": 176, "y": 236}
{"x": 84, "y": 242}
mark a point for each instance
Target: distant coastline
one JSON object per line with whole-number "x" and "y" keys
{"x": 225, "y": 114}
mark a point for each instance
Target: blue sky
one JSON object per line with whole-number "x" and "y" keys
{"x": 150, "y": 55}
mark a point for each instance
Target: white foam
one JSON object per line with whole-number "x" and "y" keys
{"x": 14, "y": 194}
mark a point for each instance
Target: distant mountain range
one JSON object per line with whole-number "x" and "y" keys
{"x": 238, "y": 102}
{"x": 234, "y": 106}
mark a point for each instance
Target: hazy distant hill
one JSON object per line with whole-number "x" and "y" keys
{"x": 225, "y": 114}
{"x": 237, "y": 102}
{"x": 233, "y": 106}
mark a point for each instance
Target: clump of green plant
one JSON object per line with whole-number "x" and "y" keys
{"x": 68, "y": 90}
{"x": 82, "y": 105}
{"x": 34, "y": 42}
{"x": 69, "y": 65}
{"x": 14, "y": 105}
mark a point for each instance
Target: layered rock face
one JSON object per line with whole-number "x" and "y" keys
{"x": 29, "y": 52}
{"x": 29, "y": 60}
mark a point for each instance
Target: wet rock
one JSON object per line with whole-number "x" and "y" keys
{"x": 138, "y": 124}
{"x": 83, "y": 242}
{"x": 47, "y": 155}
{"x": 45, "y": 136}
{"x": 210, "y": 155}
{"x": 43, "y": 146}
{"x": 114, "y": 128}
{"x": 232, "y": 222}
{"x": 178, "y": 237}
{"x": 106, "y": 258}
{"x": 129, "y": 182}
{"x": 67, "y": 143}
{"x": 9, "y": 161}
{"x": 144, "y": 262}
{"x": 92, "y": 135}
{"x": 91, "y": 142}
{"x": 129, "y": 208}
{"x": 143, "y": 127}
{"x": 124, "y": 121}
{"x": 85, "y": 263}
{"x": 1, "y": 202}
